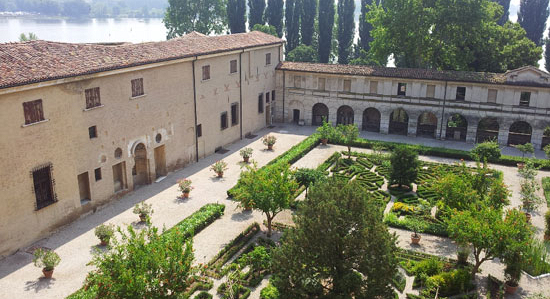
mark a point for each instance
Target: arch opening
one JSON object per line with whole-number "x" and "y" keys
{"x": 519, "y": 133}
{"x": 427, "y": 125}
{"x": 319, "y": 113}
{"x": 345, "y": 115}
{"x": 457, "y": 127}
{"x": 487, "y": 130}
{"x": 399, "y": 122}
{"x": 371, "y": 120}
{"x": 140, "y": 171}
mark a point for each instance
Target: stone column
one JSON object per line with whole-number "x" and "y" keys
{"x": 384, "y": 122}
{"x": 536, "y": 137}
{"x": 411, "y": 132}
{"x": 503, "y": 131}
{"x": 332, "y": 115}
{"x": 471, "y": 132}
{"x": 443, "y": 129}
{"x": 358, "y": 118}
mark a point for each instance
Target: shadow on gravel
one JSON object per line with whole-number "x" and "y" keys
{"x": 39, "y": 284}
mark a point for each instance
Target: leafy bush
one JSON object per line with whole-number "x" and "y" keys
{"x": 535, "y": 259}
{"x": 46, "y": 259}
{"x": 429, "y": 267}
{"x": 326, "y": 131}
{"x": 104, "y": 232}
{"x": 547, "y": 220}
{"x": 486, "y": 151}
{"x": 269, "y": 292}
{"x": 203, "y": 295}
{"x": 450, "y": 283}
{"x": 401, "y": 208}
{"x": 399, "y": 281}
{"x": 434, "y": 227}
{"x": 546, "y": 188}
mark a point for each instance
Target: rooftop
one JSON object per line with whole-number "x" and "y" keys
{"x": 410, "y": 73}
{"x": 37, "y": 61}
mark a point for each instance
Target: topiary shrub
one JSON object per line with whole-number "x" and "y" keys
{"x": 486, "y": 151}
{"x": 203, "y": 295}
{"x": 269, "y": 292}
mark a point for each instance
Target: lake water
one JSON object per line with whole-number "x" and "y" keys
{"x": 83, "y": 30}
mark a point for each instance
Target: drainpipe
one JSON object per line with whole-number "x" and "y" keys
{"x": 195, "y": 108}
{"x": 443, "y": 110}
{"x": 241, "y": 93}
{"x": 284, "y": 92}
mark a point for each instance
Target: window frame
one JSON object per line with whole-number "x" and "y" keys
{"x": 459, "y": 95}
{"x": 43, "y": 187}
{"x": 298, "y": 79}
{"x": 205, "y": 72}
{"x": 231, "y": 71}
{"x": 92, "y": 130}
{"x": 489, "y": 99}
{"x": 91, "y": 100}
{"x": 522, "y": 101}
{"x": 33, "y": 112}
{"x": 98, "y": 176}
{"x": 348, "y": 83}
{"x": 261, "y": 103}
{"x": 235, "y": 116}
{"x": 223, "y": 118}
{"x": 324, "y": 80}
{"x": 138, "y": 89}
{"x": 401, "y": 85}
{"x": 375, "y": 85}
{"x": 267, "y": 59}
{"x": 199, "y": 130}
{"x": 428, "y": 87}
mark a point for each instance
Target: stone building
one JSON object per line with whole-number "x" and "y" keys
{"x": 513, "y": 108}
{"x": 82, "y": 124}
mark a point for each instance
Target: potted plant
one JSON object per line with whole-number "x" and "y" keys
{"x": 185, "y": 187}
{"x": 416, "y": 226}
{"x": 512, "y": 272}
{"x": 524, "y": 148}
{"x": 104, "y": 233}
{"x": 269, "y": 140}
{"x": 143, "y": 210}
{"x": 47, "y": 260}
{"x": 219, "y": 167}
{"x": 246, "y": 153}
{"x": 529, "y": 198}
{"x": 547, "y": 220}
{"x": 326, "y": 131}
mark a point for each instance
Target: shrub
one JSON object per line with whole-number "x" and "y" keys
{"x": 429, "y": 267}
{"x": 450, "y": 283}
{"x": 525, "y": 148}
{"x": 185, "y": 185}
{"x": 203, "y": 295}
{"x": 534, "y": 259}
{"x": 546, "y": 188}
{"x": 401, "y": 208}
{"x": 46, "y": 259}
{"x": 404, "y": 166}
{"x": 219, "y": 166}
{"x": 246, "y": 152}
{"x": 143, "y": 209}
{"x": 269, "y": 292}
{"x": 104, "y": 232}
{"x": 547, "y": 220}
{"x": 326, "y": 131}
{"x": 486, "y": 151}
{"x": 269, "y": 140}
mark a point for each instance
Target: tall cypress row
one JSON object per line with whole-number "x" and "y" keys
{"x": 364, "y": 26}
{"x": 307, "y": 20}
{"x": 292, "y": 22}
{"x": 274, "y": 15}
{"x": 532, "y": 17}
{"x": 256, "y": 10}
{"x": 506, "y": 13}
{"x": 346, "y": 29}
{"x": 326, "y": 22}
{"x": 236, "y": 15}
{"x": 547, "y": 53}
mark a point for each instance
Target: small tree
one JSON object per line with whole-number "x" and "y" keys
{"x": 525, "y": 148}
{"x": 486, "y": 151}
{"x": 307, "y": 177}
{"x": 348, "y": 134}
{"x": 269, "y": 190}
{"x": 326, "y": 131}
{"x": 404, "y": 166}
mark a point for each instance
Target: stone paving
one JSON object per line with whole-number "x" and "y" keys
{"x": 75, "y": 242}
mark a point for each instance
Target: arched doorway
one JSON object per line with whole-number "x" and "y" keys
{"x": 519, "y": 133}
{"x": 457, "y": 127}
{"x": 427, "y": 125}
{"x": 487, "y": 129}
{"x": 320, "y": 113}
{"x": 545, "y": 137}
{"x": 371, "y": 120}
{"x": 399, "y": 122}
{"x": 344, "y": 115}
{"x": 140, "y": 171}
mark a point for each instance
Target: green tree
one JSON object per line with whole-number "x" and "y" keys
{"x": 292, "y": 23}
{"x": 505, "y": 11}
{"x": 532, "y": 16}
{"x": 24, "y": 38}
{"x": 144, "y": 264}
{"x": 346, "y": 29}
{"x": 339, "y": 238}
{"x": 269, "y": 190}
{"x": 265, "y": 29}
{"x": 364, "y": 26}
{"x": 307, "y": 177}
{"x": 489, "y": 233}
{"x": 302, "y": 53}
{"x": 274, "y": 15}
{"x": 449, "y": 35}
{"x": 404, "y": 166}
{"x": 486, "y": 151}
{"x": 348, "y": 134}
{"x": 184, "y": 16}
{"x": 326, "y": 24}
{"x": 307, "y": 19}
{"x": 256, "y": 10}
{"x": 547, "y": 52}
{"x": 236, "y": 15}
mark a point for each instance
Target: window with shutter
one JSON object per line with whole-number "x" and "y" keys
{"x": 261, "y": 103}
{"x": 430, "y": 91}
{"x": 206, "y": 72}
{"x": 268, "y": 59}
{"x": 224, "y": 120}
{"x": 137, "y": 87}
{"x": 93, "y": 98}
{"x": 234, "y": 114}
{"x": 373, "y": 87}
{"x": 33, "y": 111}
{"x": 233, "y": 66}
{"x": 347, "y": 85}
{"x": 43, "y": 186}
{"x": 492, "y": 96}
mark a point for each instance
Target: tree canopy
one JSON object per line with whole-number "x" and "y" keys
{"x": 302, "y": 53}
{"x": 184, "y": 16}
{"x": 404, "y": 166}
{"x": 326, "y": 24}
{"x": 236, "y": 15}
{"x": 256, "y": 9}
{"x": 339, "y": 247}
{"x": 292, "y": 23}
{"x": 274, "y": 15}
{"x": 265, "y": 29}
{"x": 307, "y": 18}
{"x": 532, "y": 16}
{"x": 449, "y": 35}
{"x": 346, "y": 29}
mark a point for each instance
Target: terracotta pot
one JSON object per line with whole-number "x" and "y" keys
{"x": 185, "y": 194}
{"x": 415, "y": 239}
{"x": 510, "y": 289}
{"x": 246, "y": 159}
{"x": 104, "y": 242}
{"x": 142, "y": 217}
{"x": 47, "y": 274}
{"x": 324, "y": 141}
{"x": 220, "y": 174}
{"x": 528, "y": 216}
{"x": 270, "y": 147}
{"x": 521, "y": 165}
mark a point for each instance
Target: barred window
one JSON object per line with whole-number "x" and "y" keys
{"x": 261, "y": 103}
{"x": 525, "y": 98}
{"x": 33, "y": 111}
{"x": 137, "y": 87}
{"x": 205, "y": 72}
{"x": 460, "y": 93}
{"x": 223, "y": 120}
{"x": 93, "y": 98}
{"x": 401, "y": 89}
{"x": 268, "y": 59}
{"x": 43, "y": 186}
{"x": 234, "y": 114}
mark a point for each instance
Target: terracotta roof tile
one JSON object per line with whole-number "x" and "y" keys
{"x": 37, "y": 61}
{"x": 404, "y": 73}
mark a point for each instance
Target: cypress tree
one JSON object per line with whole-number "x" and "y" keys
{"x": 292, "y": 20}
{"x": 506, "y": 13}
{"x": 364, "y": 26}
{"x": 236, "y": 15}
{"x": 547, "y": 52}
{"x": 326, "y": 22}
{"x": 346, "y": 29}
{"x": 307, "y": 20}
{"x": 256, "y": 10}
{"x": 274, "y": 15}
{"x": 532, "y": 17}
